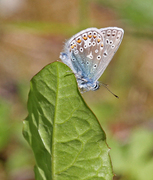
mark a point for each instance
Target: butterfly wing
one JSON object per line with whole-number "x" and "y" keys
{"x": 84, "y": 52}
{"x": 89, "y": 52}
{"x": 112, "y": 40}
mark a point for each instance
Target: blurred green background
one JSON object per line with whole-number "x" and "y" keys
{"x": 32, "y": 35}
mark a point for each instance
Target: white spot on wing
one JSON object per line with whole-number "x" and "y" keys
{"x": 90, "y": 55}
{"x": 96, "y": 51}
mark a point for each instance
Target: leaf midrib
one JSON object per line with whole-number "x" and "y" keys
{"x": 53, "y": 134}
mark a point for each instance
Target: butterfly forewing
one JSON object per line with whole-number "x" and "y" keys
{"x": 86, "y": 50}
{"x": 112, "y": 39}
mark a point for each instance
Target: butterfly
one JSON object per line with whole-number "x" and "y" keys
{"x": 89, "y": 52}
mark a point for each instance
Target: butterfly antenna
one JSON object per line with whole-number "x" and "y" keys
{"x": 105, "y": 85}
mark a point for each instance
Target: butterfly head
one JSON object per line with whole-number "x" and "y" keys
{"x": 87, "y": 85}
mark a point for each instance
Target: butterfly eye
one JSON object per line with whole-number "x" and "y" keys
{"x": 96, "y": 87}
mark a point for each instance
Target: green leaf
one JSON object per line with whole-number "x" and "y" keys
{"x": 4, "y": 124}
{"x": 66, "y": 138}
{"x": 134, "y": 160}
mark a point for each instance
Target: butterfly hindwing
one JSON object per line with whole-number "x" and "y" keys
{"x": 112, "y": 40}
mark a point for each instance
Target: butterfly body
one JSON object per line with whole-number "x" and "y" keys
{"x": 89, "y": 52}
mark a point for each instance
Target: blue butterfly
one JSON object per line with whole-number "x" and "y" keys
{"x": 89, "y": 52}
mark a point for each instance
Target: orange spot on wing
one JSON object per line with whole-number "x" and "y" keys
{"x": 72, "y": 47}
{"x": 98, "y": 40}
{"x": 89, "y": 36}
{"x": 85, "y": 38}
{"x": 94, "y": 36}
{"x": 79, "y": 41}
{"x": 102, "y": 45}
